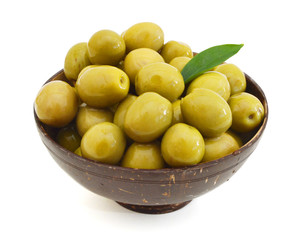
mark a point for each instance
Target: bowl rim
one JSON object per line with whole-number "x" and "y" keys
{"x": 202, "y": 165}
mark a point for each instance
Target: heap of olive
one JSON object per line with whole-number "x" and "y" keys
{"x": 129, "y": 105}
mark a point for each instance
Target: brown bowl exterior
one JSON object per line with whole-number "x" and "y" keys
{"x": 152, "y": 187}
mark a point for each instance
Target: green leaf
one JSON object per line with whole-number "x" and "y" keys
{"x": 208, "y": 59}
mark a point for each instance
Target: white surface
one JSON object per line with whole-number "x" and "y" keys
{"x": 264, "y": 200}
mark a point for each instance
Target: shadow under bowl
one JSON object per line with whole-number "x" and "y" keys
{"x": 152, "y": 191}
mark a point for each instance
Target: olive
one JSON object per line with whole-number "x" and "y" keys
{"x": 88, "y": 117}
{"x": 177, "y": 116}
{"x": 161, "y": 78}
{"x": 144, "y": 35}
{"x": 76, "y": 59}
{"x": 221, "y": 146}
{"x": 236, "y": 137}
{"x": 69, "y": 138}
{"x": 138, "y": 58}
{"x": 148, "y": 117}
{"x": 182, "y": 145}
{"x": 207, "y": 111}
{"x": 247, "y": 111}
{"x": 179, "y": 62}
{"x": 56, "y": 104}
{"x": 234, "y": 75}
{"x": 214, "y": 81}
{"x": 121, "y": 110}
{"x": 86, "y": 68}
{"x": 104, "y": 142}
{"x": 106, "y": 47}
{"x": 102, "y": 86}
{"x": 143, "y": 156}
{"x": 173, "y": 49}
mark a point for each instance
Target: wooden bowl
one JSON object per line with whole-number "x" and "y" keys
{"x": 152, "y": 191}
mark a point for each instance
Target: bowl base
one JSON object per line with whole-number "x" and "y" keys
{"x": 156, "y": 209}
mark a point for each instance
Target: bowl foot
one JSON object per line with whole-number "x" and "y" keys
{"x": 155, "y": 209}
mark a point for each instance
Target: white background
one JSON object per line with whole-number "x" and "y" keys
{"x": 264, "y": 200}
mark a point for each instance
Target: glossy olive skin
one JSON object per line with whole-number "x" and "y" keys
{"x": 69, "y": 138}
{"x": 234, "y": 75}
{"x": 207, "y": 111}
{"x": 86, "y": 68}
{"x": 214, "y": 81}
{"x": 121, "y": 110}
{"x": 102, "y": 86}
{"x": 56, "y": 104}
{"x": 88, "y": 117}
{"x": 144, "y": 35}
{"x": 138, "y": 58}
{"x": 143, "y": 156}
{"x": 182, "y": 145}
{"x": 148, "y": 117}
{"x": 173, "y": 49}
{"x": 221, "y": 146}
{"x": 247, "y": 111}
{"x": 106, "y": 47}
{"x": 76, "y": 59}
{"x": 161, "y": 78}
{"x": 104, "y": 142}
{"x": 177, "y": 113}
{"x": 179, "y": 62}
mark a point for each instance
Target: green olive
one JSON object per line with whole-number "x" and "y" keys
{"x": 161, "y": 78}
{"x": 86, "y": 68}
{"x": 102, "y": 86}
{"x": 88, "y": 117}
{"x": 247, "y": 111}
{"x": 104, "y": 142}
{"x": 173, "y": 49}
{"x": 236, "y": 137}
{"x": 144, "y": 35}
{"x": 207, "y": 111}
{"x": 138, "y": 58}
{"x": 56, "y": 104}
{"x": 121, "y": 110}
{"x": 220, "y": 146}
{"x": 177, "y": 113}
{"x": 76, "y": 59}
{"x": 106, "y": 48}
{"x": 148, "y": 117}
{"x": 143, "y": 156}
{"x": 179, "y": 62}
{"x": 68, "y": 138}
{"x": 214, "y": 81}
{"x": 234, "y": 75}
{"x": 182, "y": 145}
